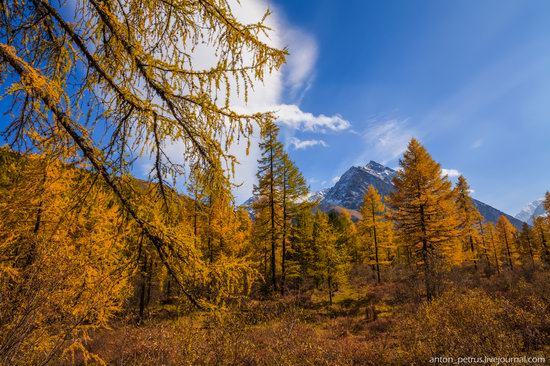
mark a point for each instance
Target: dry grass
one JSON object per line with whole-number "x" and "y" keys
{"x": 507, "y": 315}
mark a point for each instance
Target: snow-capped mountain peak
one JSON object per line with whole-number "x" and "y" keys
{"x": 317, "y": 196}
{"x": 380, "y": 171}
{"x": 348, "y": 192}
{"x": 532, "y": 210}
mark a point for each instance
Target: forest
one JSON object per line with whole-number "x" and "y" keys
{"x": 101, "y": 267}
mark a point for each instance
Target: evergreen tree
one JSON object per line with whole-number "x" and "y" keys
{"x": 268, "y": 192}
{"x": 293, "y": 192}
{"x": 423, "y": 209}
{"x": 301, "y": 255}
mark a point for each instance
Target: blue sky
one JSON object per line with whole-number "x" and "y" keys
{"x": 470, "y": 79}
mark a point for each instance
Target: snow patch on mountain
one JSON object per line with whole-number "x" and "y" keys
{"x": 380, "y": 171}
{"x": 532, "y": 210}
{"x": 317, "y": 196}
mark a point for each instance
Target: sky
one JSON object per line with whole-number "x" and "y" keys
{"x": 469, "y": 79}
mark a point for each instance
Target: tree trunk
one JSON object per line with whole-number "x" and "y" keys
{"x": 149, "y": 282}
{"x": 508, "y": 251}
{"x": 530, "y": 249}
{"x": 376, "y": 256}
{"x": 143, "y": 285}
{"x": 375, "y": 245}
{"x": 484, "y": 244}
{"x": 272, "y": 204}
{"x": 329, "y": 280}
{"x": 494, "y": 251}
{"x": 425, "y": 255}
{"x": 283, "y": 254}
{"x": 473, "y": 251}
{"x": 543, "y": 241}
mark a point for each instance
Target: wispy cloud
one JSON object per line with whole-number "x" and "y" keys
{"x": 301, "y": 61}
{"x": 386, "y": 140}
{"x": 304, "y": 144}
{"x": 292, "y": 116}
{"x": 451, "y": 173}
{"x": 477, "y": 144}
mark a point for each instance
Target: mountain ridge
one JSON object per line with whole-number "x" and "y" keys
{"x": 349, "y": 190}
{"x": 347, "y": 193}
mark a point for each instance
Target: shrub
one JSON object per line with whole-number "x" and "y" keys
{"x": 469, "y": 323}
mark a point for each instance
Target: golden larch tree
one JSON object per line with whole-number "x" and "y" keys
{"x": 375, "y": 227}
{"x": 506, "y": 233}
{"x": 106, "y": 82}
{"x": 468, "y": 217}
{"x": 423, "y": 210}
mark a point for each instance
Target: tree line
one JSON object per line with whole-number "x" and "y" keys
{"x": 426, "y": 224}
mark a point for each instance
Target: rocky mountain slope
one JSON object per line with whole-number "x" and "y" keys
{"x": 349, "y": 190}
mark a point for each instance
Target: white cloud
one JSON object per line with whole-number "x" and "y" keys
{"x": 304, "y": 144}
{"x": 451, "y": 173}
{"x": 292, "y": 116}
{"x": 335, "y": 179}
{"x": 386, "y": 140}
{"x": 295, "y": 76}
{"x": 303, "y": 53}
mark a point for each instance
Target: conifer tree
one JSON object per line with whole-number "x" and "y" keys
{"x": 78, "y": 75}
{"x": 540, "y": 229}
{"x": 546, "y": 203}
{"x": 293, "y": 192}
{"x": 485, "y": 241}
{"x": 302, "y": 253}
{"x": 347, "y": 234}
{"x": 423, "y": 209}
{"x": 268, "y": 191}
{"x": 375, "y": 225}
{"x": 506, "y": 232}
{"x": 64, "y": 268}
{"x": 526, "y": 241}
{"x": 468, "y": 217}
{"x": 494, "y": 244}
{"x": 331, "y": 262}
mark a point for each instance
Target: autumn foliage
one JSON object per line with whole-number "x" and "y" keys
{"x": 100, "y": 267}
